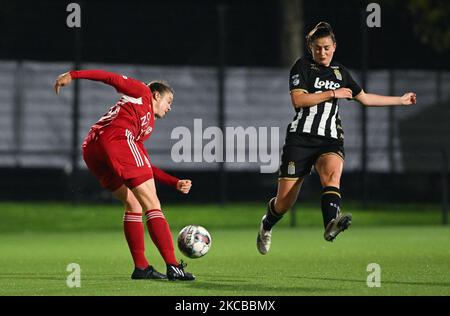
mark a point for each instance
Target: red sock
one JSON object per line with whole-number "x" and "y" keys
{"x": 160, "y": 233}
{"x": 134, "y": 233}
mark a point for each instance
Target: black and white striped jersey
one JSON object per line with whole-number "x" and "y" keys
{"x": 322, "y": 119}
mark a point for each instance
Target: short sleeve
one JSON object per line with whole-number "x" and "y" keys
{"x": 298, "y": 77}
{"x": 352, "y": 84}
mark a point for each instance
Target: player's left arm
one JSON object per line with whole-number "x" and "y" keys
{"x": 370, "y": 99}
{"x": 183, "y": 185}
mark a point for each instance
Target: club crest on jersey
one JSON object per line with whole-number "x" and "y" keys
{"x": 291, "y": 168}
{"x": 338, "y": 74}
{"x": 327, "y": 84}
{"x": 295, "y": 80}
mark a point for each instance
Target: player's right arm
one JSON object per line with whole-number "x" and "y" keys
{"x": 298, "y": 86}
{"x": 302, "y": 99}
{"x": 62, "y": 80}
{"x": 129, "y": 86}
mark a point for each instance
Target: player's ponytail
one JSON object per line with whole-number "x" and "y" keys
{"x": 322, "y": 29}
{"x": 161, "y": 86}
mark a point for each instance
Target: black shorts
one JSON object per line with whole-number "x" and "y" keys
{"x": 300, "y": 153}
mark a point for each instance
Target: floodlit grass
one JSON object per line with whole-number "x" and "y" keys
{"x": 37, "y": 242}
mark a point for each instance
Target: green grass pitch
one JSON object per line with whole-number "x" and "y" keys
{"x": 38, "y": 241}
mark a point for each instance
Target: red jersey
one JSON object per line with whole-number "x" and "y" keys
{"x": 133, "y": 111}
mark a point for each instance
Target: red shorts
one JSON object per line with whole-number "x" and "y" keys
{"x": 115, "y": 158}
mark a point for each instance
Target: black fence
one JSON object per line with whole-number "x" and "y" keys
{"x": 223, "y": 59}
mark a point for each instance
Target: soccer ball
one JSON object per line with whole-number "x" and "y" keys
{"x": 194, "y": 241}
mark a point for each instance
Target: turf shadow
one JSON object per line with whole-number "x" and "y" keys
{"x": 445, "y": 284}
{"x": 251, "y": 287}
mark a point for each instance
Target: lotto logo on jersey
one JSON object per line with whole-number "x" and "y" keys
{"x": 327, "y": 84}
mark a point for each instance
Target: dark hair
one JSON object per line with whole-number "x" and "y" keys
{"x": 322, "y": 29}
{"x": 160, "y": 85}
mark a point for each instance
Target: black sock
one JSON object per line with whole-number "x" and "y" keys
{"x": 271, "y": 217}
{"x": 331, "y": 203}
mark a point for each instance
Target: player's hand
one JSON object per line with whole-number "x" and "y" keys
{"x": 62, "y": 80}
{"x": 343, "y": 93}
{"x": 184, "y": 186}
{"x": 408, "y": 98}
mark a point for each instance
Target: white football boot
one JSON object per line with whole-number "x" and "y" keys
{"x": 337, "y": 225}
{"x": 264, "y": 239}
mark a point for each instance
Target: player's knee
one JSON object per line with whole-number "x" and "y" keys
{"x": 132, "y": 206}
{"x": 331, "y": 179}
{"x": 146, "y": 194}
{"x": 151, "y": 202}
{"x": 155, "y": 205}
